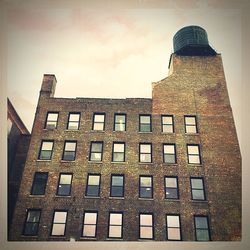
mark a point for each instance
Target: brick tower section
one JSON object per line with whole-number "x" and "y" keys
{"x": 196, "y": 85}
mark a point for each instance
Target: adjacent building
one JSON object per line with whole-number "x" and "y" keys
{"x": 18, "y": 144}
{"x": 135, "y": 169}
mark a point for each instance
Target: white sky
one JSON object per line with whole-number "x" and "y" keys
{"x": 109, "y": 52}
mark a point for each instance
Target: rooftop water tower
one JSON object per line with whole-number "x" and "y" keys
{"x": 192, "y": 41}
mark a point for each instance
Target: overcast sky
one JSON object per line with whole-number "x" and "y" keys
{"x": 109, "y": 52}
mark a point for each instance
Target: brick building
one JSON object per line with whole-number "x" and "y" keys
{"x": 160, "y": 168}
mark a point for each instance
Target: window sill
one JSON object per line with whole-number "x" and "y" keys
{"x": 37, "y": 195}
{"x": 98, "y": 131}
{"x": 29, "y": 236}
{"x": 194, "y": 165}
{"x": 167, "y": 133}
{"x": 116, "y": 239}
{"x": 192, "y": 134}
{"x": 43, "y": 160}
{"x": 145, "y": 163}
{"x": 63, "y": 196}
{"x": 146, "y": 239}
{"x": 64, "y": 161}
{"x": 71, "y": 129}
{"x": 118, "y": 162}
{"x": 174, "y": 200}
{"x": 116, "y": 198}
{"x": 57, "y": 237}
{"x": 198, "y": 201}
{"x": 119, "y": 131}
{"x": 170, "y": 164}
{"x": 95, "y": 162}
{"x": 49, "y": 129}
{"x": 145, "y": 199}
{"x": 149, "y": 132}
{"x": 91, "y": 197}
{"x": 87, "y": 238}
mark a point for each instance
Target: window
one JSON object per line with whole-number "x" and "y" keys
{"x": 89, "y": 224}
{"x": 117, "y": 186}
{"x": 96, "y": 151}
{"x": 39, "y": 183}
{"x": 93, "y": 185}
{"x": 146, "y": 187}
{"x": 51, "y": 121}
{"x": 99, "y": 122}
{"x": 118, "y": 152}
{"x": 115, "y": 225}
{"x": 73, "y": 121}
{"x": 167, "y": 124}
{"x": 193, "y": 154}
{"x": 146, "y": 226}
{"x": 69, "y": 152}
{"x": 145, "y": 123}
{"x": 169, "y": 153}
{"x": 197, "y": 188}
{"x": 32, "y": 222}
{"x": 59, "y": 223}
{"x": 201, "y": 228}
{"x": 171, "y": 187}
{"x": 120, "y": 122}
{"x": 190, "y": 124}
{"x": 173, "y": 227}
{"x": 46, "y": 150}
{"x": 145, "y": 152}
{"x": 64, "y": 184}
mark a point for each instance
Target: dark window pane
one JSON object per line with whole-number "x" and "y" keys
{"x": 69, "y": 156}
{"x": 145, "y": 192}
{"x": 31, "y": 229}
{"x": 171, "y": 193}
{"x": 202, "y": 235}
{"x": 33, "y": 216}
{"x": 117, "y": 191}
{"x": 93, "y": 190}
{"x": 64, "y": 189}
{"x": 45, "y": 155}
{"x": 201, "y": 222}
{"x": 39, "y": 184}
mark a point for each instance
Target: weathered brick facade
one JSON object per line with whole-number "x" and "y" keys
{"x": 195, "y": 86}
